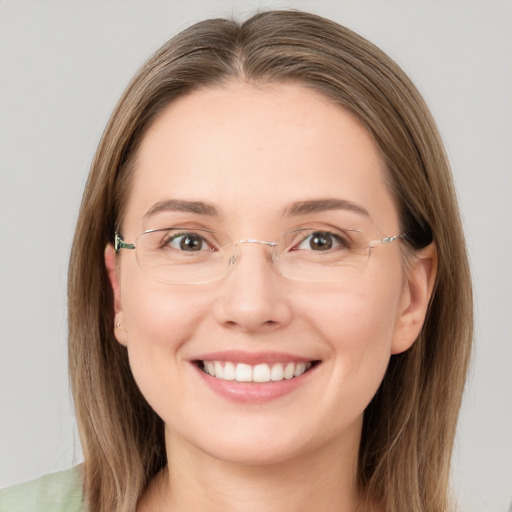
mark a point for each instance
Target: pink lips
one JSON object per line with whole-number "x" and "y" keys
{"x": 252, "y": 392}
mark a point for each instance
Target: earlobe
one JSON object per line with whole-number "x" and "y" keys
{"x": 112, "y": 269}
{"x": 418, "y": 289}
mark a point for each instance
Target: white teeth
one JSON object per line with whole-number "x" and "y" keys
{"x": 260, "y": 373}
{"x": 299, "y": 369}
{"x": 277, "y": 372}
{"x": 243, "y": 373}
{"x": 218, "y": 370}
{"x": 229, "y": 371}
{"x": 288, "y": 371}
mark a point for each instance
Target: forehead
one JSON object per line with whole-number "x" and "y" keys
{"x": 252, "y": 151}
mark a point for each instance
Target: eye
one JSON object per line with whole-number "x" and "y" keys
{"x": 189, "y": 242}
{"x": 322, "y": 241}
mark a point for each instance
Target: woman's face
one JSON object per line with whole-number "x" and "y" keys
{"x": 254, "y": 162}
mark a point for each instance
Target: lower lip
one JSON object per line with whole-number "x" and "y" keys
{"x": 253, "y": 392}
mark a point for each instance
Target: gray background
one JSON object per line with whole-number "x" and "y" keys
{"x": 63, "y": 64}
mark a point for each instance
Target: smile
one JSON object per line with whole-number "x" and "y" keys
{"x": 241, "y": 372}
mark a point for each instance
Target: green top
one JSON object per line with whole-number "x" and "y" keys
{"x": 57, "y": 492}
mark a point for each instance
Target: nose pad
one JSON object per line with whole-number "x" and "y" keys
{"x": 252, "y": 298}
{"x": 233, "y": 259}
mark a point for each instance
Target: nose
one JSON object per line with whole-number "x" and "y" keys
{"x": 253, "y": 298}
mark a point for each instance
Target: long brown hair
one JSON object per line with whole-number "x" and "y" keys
{"x": 409, "y": 426}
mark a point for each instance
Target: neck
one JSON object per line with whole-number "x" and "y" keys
{"x": 323, "y": 480}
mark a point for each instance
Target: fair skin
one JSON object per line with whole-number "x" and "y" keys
{"x": 251, "y": 153}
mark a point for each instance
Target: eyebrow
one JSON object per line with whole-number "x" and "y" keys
{"x": 297, "y": 208}
{"x": 323, "y": 205}
{"x": 180, "y": 205}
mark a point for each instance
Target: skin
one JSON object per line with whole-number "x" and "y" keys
{"x": 251, "y": 152}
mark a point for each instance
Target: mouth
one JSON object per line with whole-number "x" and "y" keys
{"x": 254, "y": 377}
{"x": 259, "y": 373}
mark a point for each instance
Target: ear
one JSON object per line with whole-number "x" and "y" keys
{"x": 418, "y": 288}
{"x": 111, "y": 263}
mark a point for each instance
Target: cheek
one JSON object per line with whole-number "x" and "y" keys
{"x": 357, "y": 324}
{"x": 156, "y": 314}
{"x": 360, "y": 333}
{"x": 157, "y": 317}
{"x": 158, "y": 323}
{"x": 357, "y": 318}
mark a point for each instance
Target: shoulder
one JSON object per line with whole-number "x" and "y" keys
{"x": 56, "y": 492}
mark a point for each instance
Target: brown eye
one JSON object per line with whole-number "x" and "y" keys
{"x": 189, "y": 242}
{"x": 321, "y": 241}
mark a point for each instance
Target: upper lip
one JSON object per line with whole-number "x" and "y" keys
{"x": 252, "y": 358}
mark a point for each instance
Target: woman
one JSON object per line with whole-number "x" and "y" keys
{"x": 269, "y": 297}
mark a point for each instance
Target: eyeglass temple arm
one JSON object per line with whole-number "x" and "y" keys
{"x": 119, "y": 243}
{"x": 387, "y": 239}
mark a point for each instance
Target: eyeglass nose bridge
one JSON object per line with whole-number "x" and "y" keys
{"x": 234, "y": 256}
{"x": 252, "y": 241}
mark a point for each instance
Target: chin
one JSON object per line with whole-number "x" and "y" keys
{"x": 256, "y": 454}
{"x": 243, "y": 446}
